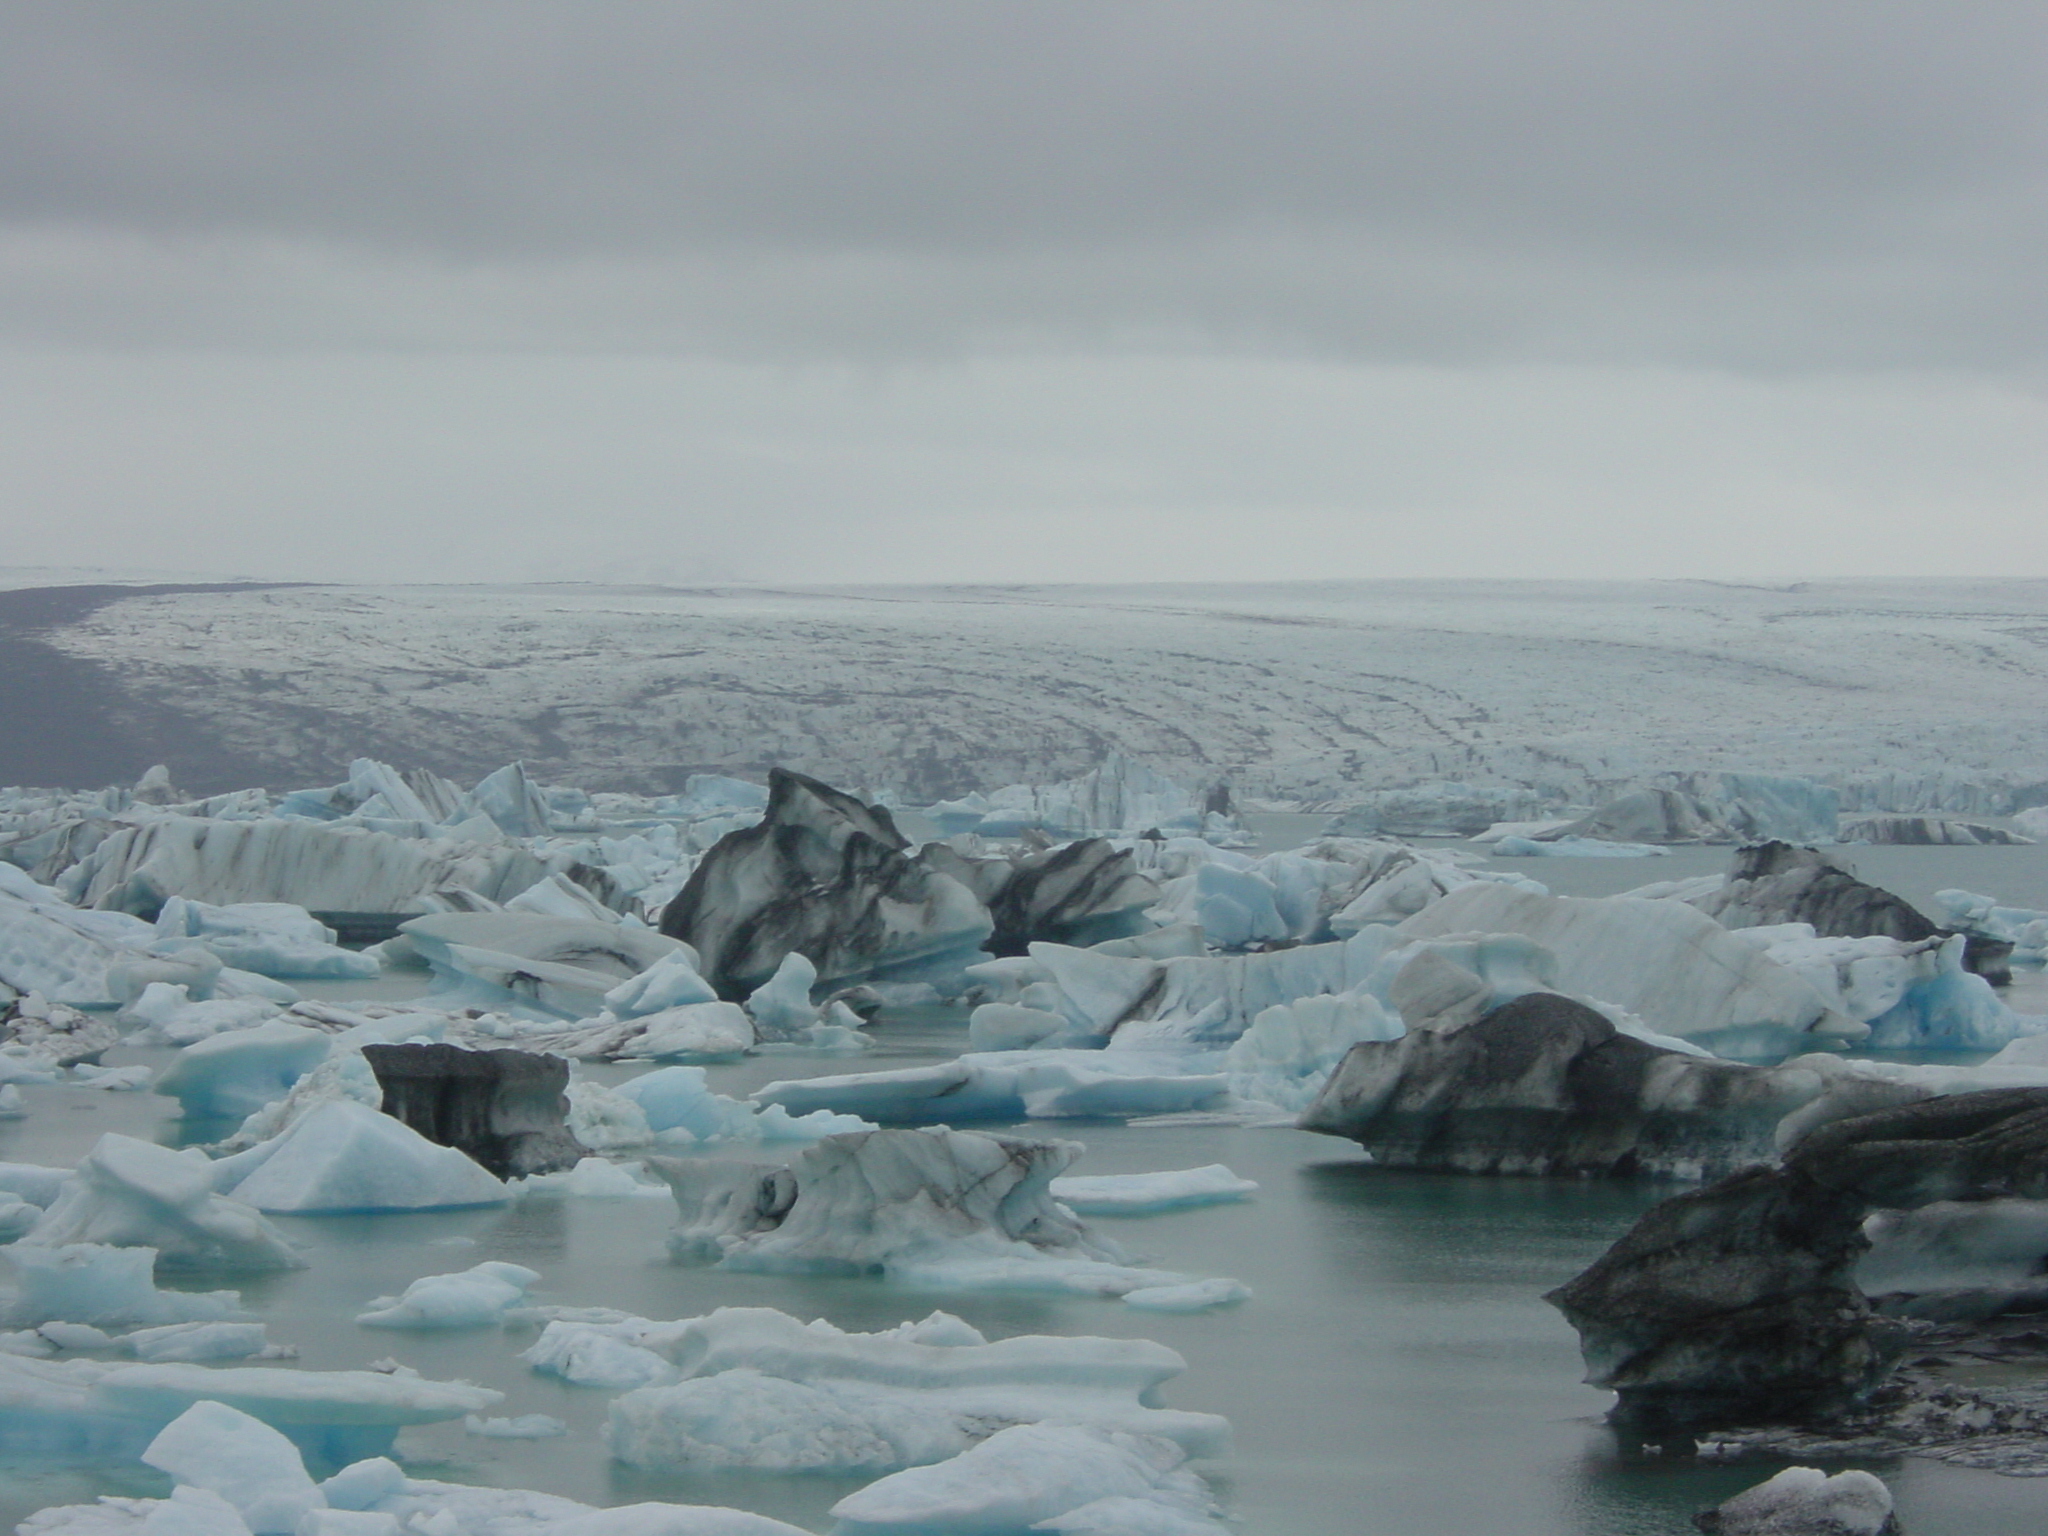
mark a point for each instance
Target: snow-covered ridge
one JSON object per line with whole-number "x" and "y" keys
{"x": 1910, "y": 697}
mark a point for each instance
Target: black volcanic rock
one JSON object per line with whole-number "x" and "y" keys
{"x": 1737, "y": 1304}
{"x": 506, "y": 1109}
{"x": 826, "y": 876}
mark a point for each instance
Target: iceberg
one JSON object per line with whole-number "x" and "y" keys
{"x": 1806, "y": 1499}
{"x": 203, "y": 1343}
{"x": 565, "y": 967}
{"x": 828, "y": 877}
{"x": 240, "y": 1072}
{"x": 338, "y": 1416}
{"x": 1031, "y": 1476}
{"x": 134, "y": 1194}
{"x": 476, "y": 1298}
{"x": 249, "y": 1465}
{"x": 1148, "y": 1194}
{"x": 1674, "y": 967}
{"x": 1289, "y": 1051}
{"x": 1570, "y": 846}
{"x": 373, "y": 1497}
{"x": 932, "y": 1206}
{"x": 268, "y": 938}
{"x": 93, "y": 1411}
{"x": 321, "y": 867}
{"x": 345, "y": 1156}
{"x": 56, "y": 1032}
{"x": 752, "y": 1387}
{"x": 48, "y": 947}
{"x": 1008, "y": 1085}
{"x": 1081, "y": 893}
{"x": 1441, "y": 809}
{"x": 1119, "y": 797}
{"x": 104, "y": 1286}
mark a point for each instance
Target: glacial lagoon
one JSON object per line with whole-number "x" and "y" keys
{"x": 1395, "y": 1371}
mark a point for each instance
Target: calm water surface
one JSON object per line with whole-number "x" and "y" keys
{"x": 1395, "y": 1373}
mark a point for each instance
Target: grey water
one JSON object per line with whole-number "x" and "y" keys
{"x": 1396, "y": 1371}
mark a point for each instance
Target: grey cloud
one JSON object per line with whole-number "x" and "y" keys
{"x": 1781, "y": 185}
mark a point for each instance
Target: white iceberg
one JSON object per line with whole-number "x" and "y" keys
{"x": 269, "y": 938}
{"x": 934, "y": 1207}
{"x": 1024, "y": 1478}
{"x": 135, "y": 1194}
{"x": 751, "y": 1387}
{"x": 345, "y": 1156}
{"x": 104, "y": 1286}
{"x": 476, "y": 1298}
{"x": 1148, "y": 1194}
{"x": 1669, "y": 964}
{"x": 242, "y": 1071}
{"x": 248, "y": 1464}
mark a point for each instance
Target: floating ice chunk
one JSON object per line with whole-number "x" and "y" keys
{"x": 963, "y": 1269}
{"x": 932, "y": 1207}
{"x": 528, "y": 1426}
{"x": 1992, "y": 1247}
{"x": 1674, "y": 967}
{"x": 169, "y": 1017}
{"x": 598, "y": 1355}
{"x": 752, "y": 1387}
{"x": 671, "y": 982}
{"x": 113, "y": 1079}
{"x": 269, "y": 938}
{"x": 12, "y": 1105}
{"x": 345, "y": 1156}
{"x": 134, "y": 1194}
{"x": 201, "y": 1343}
{"x": 1198, "y": 1296}
{"x": 47, "y": 946}
{"x": 341, "y": 1416}
{"x": 374, "y": 1497}
{"x": 362, "y": 1484}
{"x": 1573, "y": 848}
{"x": 1008, "y": 1085}
{"x": 66, "y": 1036}
{"x": 1914, "y": 995}
{"x": 781, "y": 1006}
{"x": 1234, "y": 907}
{"x": 245, "y": 1461}
{"x": 1130, "y": 1517}
{"x": 104, "y": 1286}
{"x": 689, "y": 1029}
{"x": 32, "y": 1182}
{"x": 1021, "y": 1478}
{"x": 323, "y": 868}
{"x": 1806, "y": 1499}
{"x": 556, "y": 895}
{"x": 23, "y": 1066}
{"x": 475, "y": 1298}
{"x": 1147, "y": 1194}
{"x": 192, "y": 1512}
{"x": 239, "y": 1073}
{"x": 344, "y": 1074}
{"x": 677, "y": 1104}
{"x": 1008, "y": 1027}
{"x": 593, "y": 1178}
{"x": 84, "y": 1335}
{"x": 1291, "y": 1048}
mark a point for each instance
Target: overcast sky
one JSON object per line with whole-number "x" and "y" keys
{"x": 1024, "y": 291}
